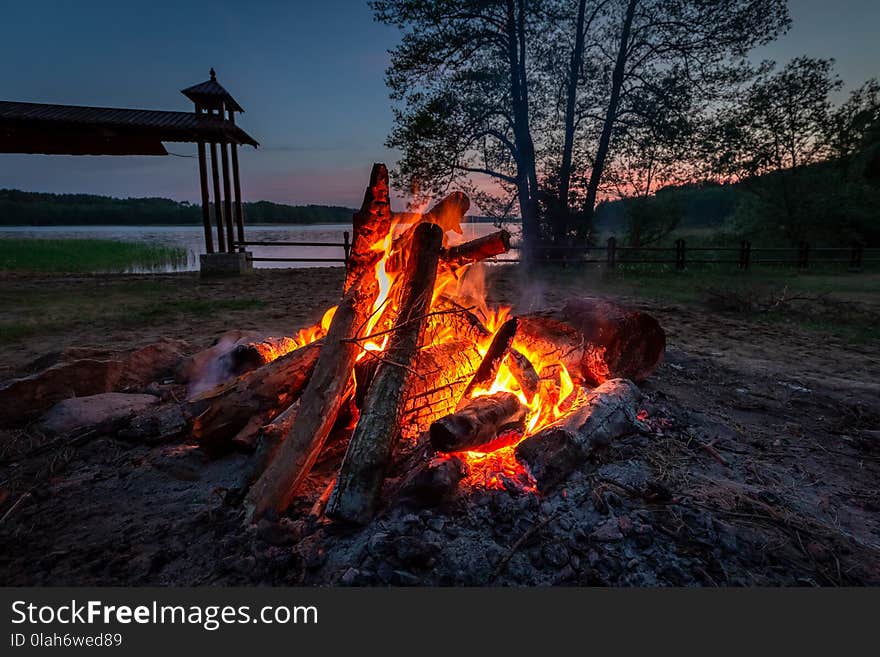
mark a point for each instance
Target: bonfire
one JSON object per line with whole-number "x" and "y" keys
{"x": 413, "y": 356}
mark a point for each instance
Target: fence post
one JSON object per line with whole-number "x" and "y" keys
{"x": 612, "y": 252}
{"x": 346, "y": 247}
{"x": 803, "y": 259}
{"x": 855, "y": 257}
{"x": 679, "y": 254}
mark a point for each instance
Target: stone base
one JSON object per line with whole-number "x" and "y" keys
{"x": 225, "y": 264}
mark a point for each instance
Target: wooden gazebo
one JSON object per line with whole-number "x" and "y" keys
{"x": 76, "y": 130}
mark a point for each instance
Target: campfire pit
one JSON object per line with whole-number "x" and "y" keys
{"x": 409, "y": 350}
{"x": 414, "y": 367}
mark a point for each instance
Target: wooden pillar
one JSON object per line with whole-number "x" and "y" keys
{"x": 218, "y": 204}
{"x": 206, "y": 209}
{"x": 236, "y": 188}
{"x": 227, "y": 200}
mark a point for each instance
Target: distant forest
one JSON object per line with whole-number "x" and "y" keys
{"x": 18, "y": 208}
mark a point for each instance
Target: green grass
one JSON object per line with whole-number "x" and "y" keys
{"x": 829, "y": 302}
{"x": 50, "y": 308}
{"x": 86, "y": 255}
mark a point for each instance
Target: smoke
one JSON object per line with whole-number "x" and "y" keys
{"x": 213, "y": 366}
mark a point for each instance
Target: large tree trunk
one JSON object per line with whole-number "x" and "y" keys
{"x": 526, "y": 175}
{"x": 602, "y": 149}
{"x": 363, "y": 470}
{"x": 332, "y": 380}
{"x": 565, "y": 167}
{"x": 608, "y": 412}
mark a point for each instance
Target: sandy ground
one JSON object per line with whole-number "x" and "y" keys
{"x": 767, "y": 444}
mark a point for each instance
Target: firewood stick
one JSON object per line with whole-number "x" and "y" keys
{"x": 320, "y": 504}
{"x": 447, "y": 214}
{"x": 363, "y": 469}
{"x": 523, "y": 371}
{"x": 225, "y": 410}
{"x": 488, "y": 369}
{"x": 596, "y": 340}
{"x": 270, "y": 438}
{"x": 331, "y": 382}
{"x": 473, "y": 251}
{"x": 478, "y": 423}
{"x": 607, "y": 412}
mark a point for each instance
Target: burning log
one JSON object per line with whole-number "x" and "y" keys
{"x": 363, "y": 469}
{"x": 452, "y": 318}
{"x": 480, "y": 422}
{"x": 244, "y": 404}
{"x": 251, "y": 355}
{"x": 444, "y": 371}
{"x": 524, "y": 372}
{"x": 595, "y": 340}
{"x": 488, "y": 369}
{"x": 473, "y": 251}
{"x": 607, "y": 413}
{"x": 330, "y": 385}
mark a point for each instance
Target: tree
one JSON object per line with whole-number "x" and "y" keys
{"x": 462, "y": 80}
{"x": 793, "y": 152}
{"x": 538, "y": 94}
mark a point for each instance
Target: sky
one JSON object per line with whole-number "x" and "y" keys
{"x": 310, "y": 76}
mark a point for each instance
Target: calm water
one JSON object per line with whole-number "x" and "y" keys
{"x": 192, "y": 239}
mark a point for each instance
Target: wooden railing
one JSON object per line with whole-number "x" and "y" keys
{"x": 613, "y": 255}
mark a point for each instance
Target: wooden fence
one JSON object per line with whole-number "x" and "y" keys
{"x": 612, "y": 255}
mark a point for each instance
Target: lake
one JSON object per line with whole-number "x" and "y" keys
{"x": 192, "y": 239}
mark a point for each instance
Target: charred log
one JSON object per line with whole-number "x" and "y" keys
{"x": 495, "y": 354}
{"x": 523, "y": 372}
{"x": 480, "y": 422}
{"x": 363, "y": 470}
{"x": 329, "y": 387}
{"x": 595, "y": 340}
{"x": 248, "y": 402}
{"x": 473, "y": 251}
{"x": 607, "y": 413}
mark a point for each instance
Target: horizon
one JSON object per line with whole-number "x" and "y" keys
{"x": 312, "y": 86}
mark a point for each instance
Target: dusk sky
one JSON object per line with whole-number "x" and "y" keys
{"x": 310, "y": 76}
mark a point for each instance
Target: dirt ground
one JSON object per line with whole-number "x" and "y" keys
{"x": 760, "y": 468}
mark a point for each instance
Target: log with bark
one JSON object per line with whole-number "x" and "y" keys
{"x": 243, "y": 405}
{"x": 473, "y": 251}
{"x": 479, "y": 423}
{"x": 331, "y": 382}
{"x": 250, "y": 355}
{"x": 360, "y": 478}
{"x": 606, "y": 413}
{"x": 523, "y": 371}
{"x": 595, "y": 339}
{"x": 495, "y": 354}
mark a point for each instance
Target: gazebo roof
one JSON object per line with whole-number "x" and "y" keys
{"x": 211, "y": 93}
{"x": 78, "y": 130}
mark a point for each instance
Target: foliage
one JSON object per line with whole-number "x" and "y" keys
{"x": 18, "y": 208}
{"x": 558, "y": 101}
{"x": 801, "y": 160}
{"x": 649, "y": 219}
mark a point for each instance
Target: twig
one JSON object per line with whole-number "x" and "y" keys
{"x": 27, "y": 493}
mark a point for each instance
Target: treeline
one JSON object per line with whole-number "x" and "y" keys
{"x": 18, "y": 208}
